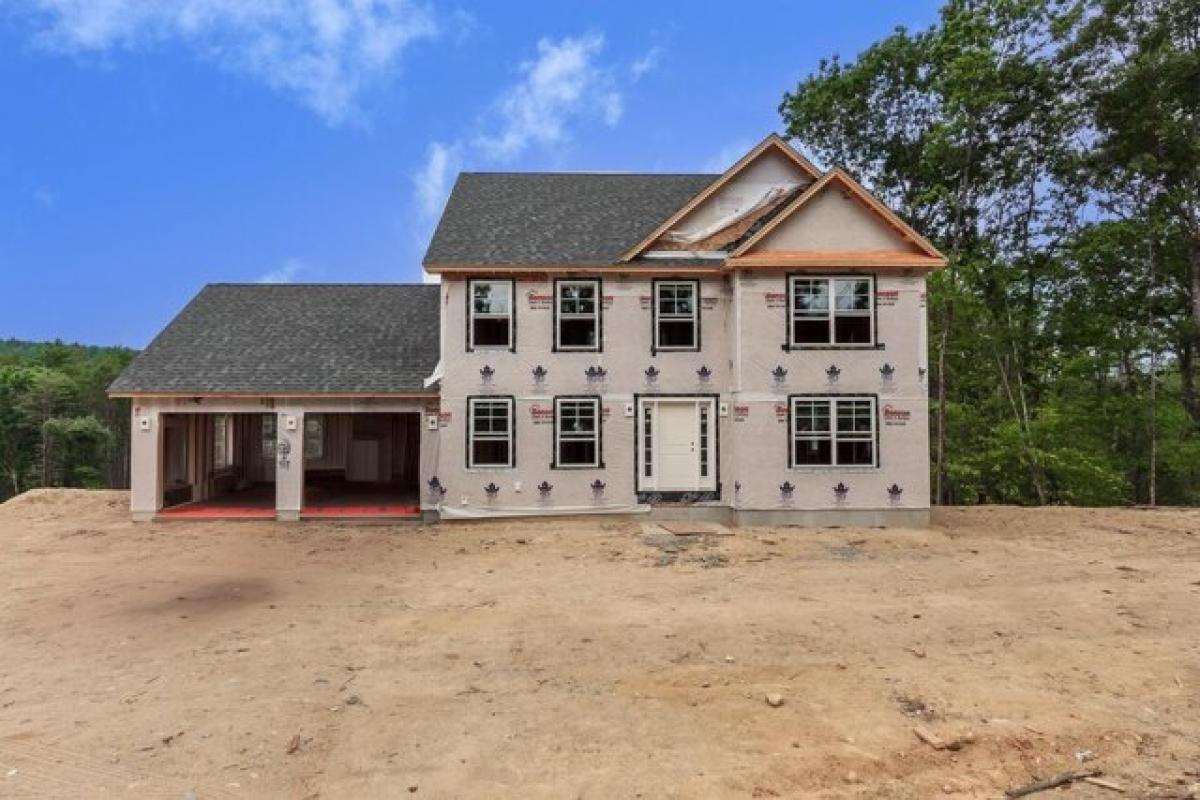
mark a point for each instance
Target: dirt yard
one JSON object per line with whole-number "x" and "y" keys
{"x": 593, "y": 658}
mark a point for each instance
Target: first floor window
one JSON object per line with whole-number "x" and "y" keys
{"x": 578, "y": 315}
{"x": 833, "y": 431}
{"x": 268, "y": 437}
{"x": 577, "y": 427}
{"x": 491, "y": 313}
{"x": 490, "y": 432}
{"x": 222, "y": 442}
{"x": 676, "y": 315}
{"x": 831, "y": 311}
{"x": 314, "y": 437}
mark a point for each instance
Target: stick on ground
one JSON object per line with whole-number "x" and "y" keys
{"x": 1050, "y": 783}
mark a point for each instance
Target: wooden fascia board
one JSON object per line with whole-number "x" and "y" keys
{"x": 773, "y": 140}
{"x": 273, "y": 395}
{"x": 624, "y": 268}
{"x": 862, "y": 195}
{"x": 828, "y": 261}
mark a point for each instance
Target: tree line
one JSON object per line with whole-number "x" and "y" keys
{"x": 1051, "y": 148}
{"x": 57, "y": 425}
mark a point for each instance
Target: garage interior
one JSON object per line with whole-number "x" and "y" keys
{"x": 218, "y": 465}
{"x": 361, "y": 464}
{"x": 222, "y": 466}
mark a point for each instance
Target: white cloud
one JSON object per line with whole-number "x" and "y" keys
{"x": 563, "y": 83}
{"x": 45, "y": 197}
{"x": 727, "y": 156}
{"x": 647, "y": 63}
{"x": 432, "y": 183}
{"x": 323, "y": 52}
{"x": 564, "y": 86}
{"x": 287, "y": 272}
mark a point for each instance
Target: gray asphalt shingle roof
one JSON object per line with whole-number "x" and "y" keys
{"x": 555, "y": 218}
{"x": 293, "y": 338}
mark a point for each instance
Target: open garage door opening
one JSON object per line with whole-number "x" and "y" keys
{"x": 361, "y": 465}
{"x": 219, "y": 466}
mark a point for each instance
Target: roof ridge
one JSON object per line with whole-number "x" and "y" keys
{"x": 397, "y": 284}
{"x": 598, "y": 173}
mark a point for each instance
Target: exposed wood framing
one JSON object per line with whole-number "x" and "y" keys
{"x": 772, "y": 141}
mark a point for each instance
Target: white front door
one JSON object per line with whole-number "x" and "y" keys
{"x": 678, "y": 445}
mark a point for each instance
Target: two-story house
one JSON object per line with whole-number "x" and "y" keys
{"x": 749, "y": 346}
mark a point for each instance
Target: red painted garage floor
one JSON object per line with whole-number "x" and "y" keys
{"x": 321, "y": 499}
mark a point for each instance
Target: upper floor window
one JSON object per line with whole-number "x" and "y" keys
{"x": 831, "y": 311}
{"x": 490, "y": 306}
{"x": 676, "y": 315}
{"x": 577, "y": 432}
{"x": 489, "y": 432}
{"x": 835, "y": 431}
{"x": 577, "y": 315}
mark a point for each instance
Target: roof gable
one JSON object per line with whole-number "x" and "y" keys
{"x": 753, "y": 186}
{"x": 836, "y": 215}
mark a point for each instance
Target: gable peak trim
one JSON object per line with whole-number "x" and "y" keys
{"x": 772, "y": 140}
{"x": 860, "y": 193}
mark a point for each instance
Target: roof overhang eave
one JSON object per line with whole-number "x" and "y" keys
{"x": 134, "y": 394}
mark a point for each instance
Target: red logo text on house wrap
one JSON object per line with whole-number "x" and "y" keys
{"x": 896, "y": 416}
{"x": 887, "y": 297}
{"x": 741, "y": 413}
{"x": 781, "y": 412}
{"x": 645, "y": 300}
{"x": 775, "y": 299}
{"x": 444, "y": 418}
{"x": 539, "y": 300}
{"x": 541, "y": 415}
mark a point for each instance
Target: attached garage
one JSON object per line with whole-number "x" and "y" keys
{"x": 287, "y": 401}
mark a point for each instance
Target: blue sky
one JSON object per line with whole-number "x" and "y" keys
{"x": 150, "y": 146}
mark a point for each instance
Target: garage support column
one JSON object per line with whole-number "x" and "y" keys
{"x": 145, "y": 463}
{"x": 289, "y": 463}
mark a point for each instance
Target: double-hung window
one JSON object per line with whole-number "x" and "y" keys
{"x": 222, "y": 442}
{"x": 577, "y": 432}
{"x": 268, "y": 437}
{"x": 577, "y": 315}
{"x": 831, "y": 311}
{"x": 490, "y": 307}
{"x": 676, "y": 315}
{"x": 314, "y": 437}
{"x": 489, "y": 432}
{"x": 833, "y": 431}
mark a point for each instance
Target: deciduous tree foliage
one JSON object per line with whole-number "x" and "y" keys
{"x": 57, "y": 426}
{"x": 1051, "y": 149}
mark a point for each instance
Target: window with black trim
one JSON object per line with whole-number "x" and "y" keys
{"x": 831, "y": 311}
{"x": 491, "y": 313}
{"x": 577, "y": 315}
{"x": 833, "y": 431}
{"x": 677, "y": 315}
{"x": 489, "y": 432}
{"x": 577, "y": 432}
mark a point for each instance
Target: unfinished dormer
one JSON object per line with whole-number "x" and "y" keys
{"x": 740, "y": 202}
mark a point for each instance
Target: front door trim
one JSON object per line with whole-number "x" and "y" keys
{"x": 652, "y": 496}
